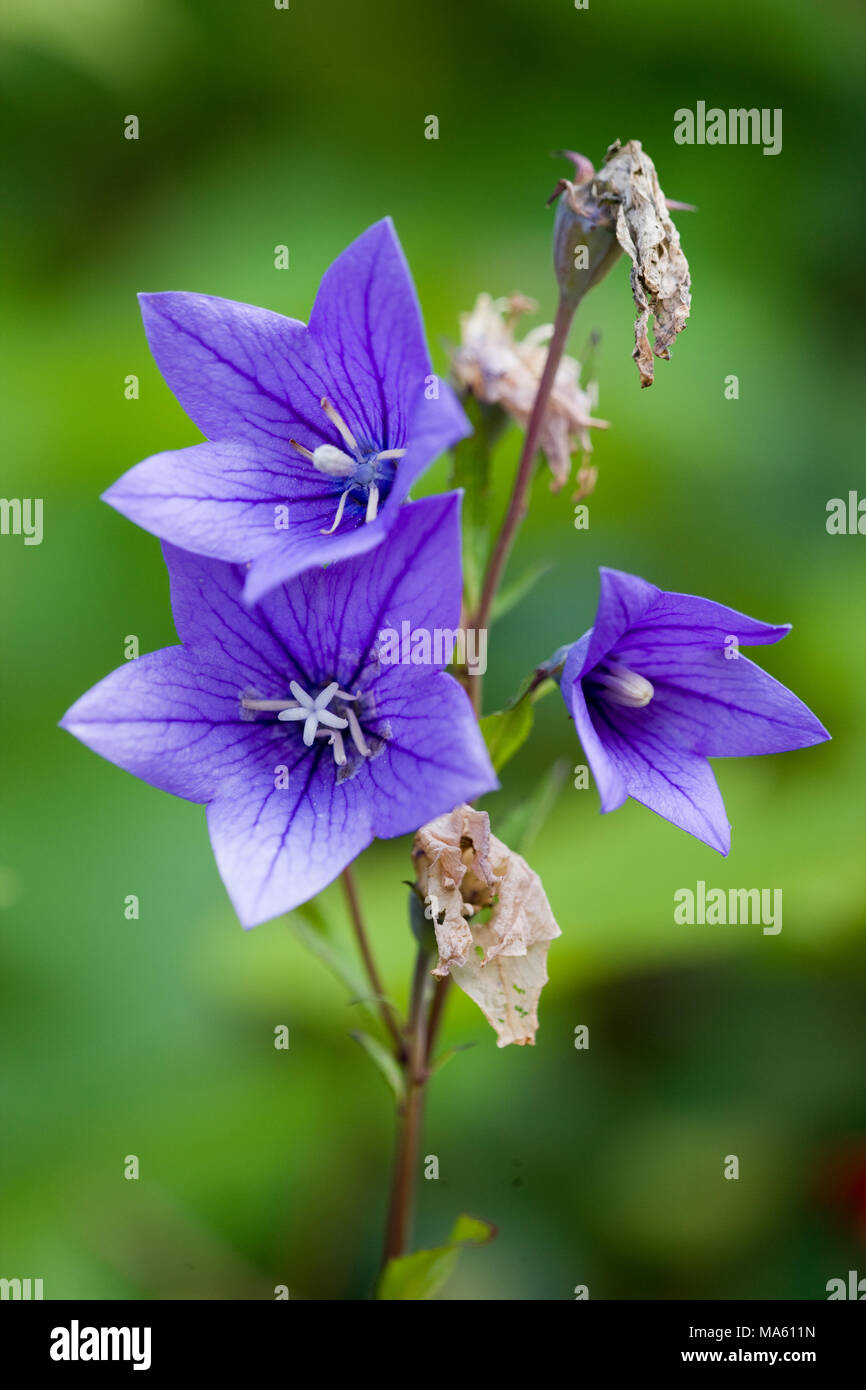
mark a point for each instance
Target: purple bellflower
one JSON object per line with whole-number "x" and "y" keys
{"x": 315, "y": 433}
{"x": 285, "y": 719}
{"x": 658, "y": 685}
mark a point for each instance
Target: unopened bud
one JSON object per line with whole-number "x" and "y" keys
{"x": 584, "y": 234}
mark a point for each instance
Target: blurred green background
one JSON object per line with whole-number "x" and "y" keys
{"x": 154, "y": 1037}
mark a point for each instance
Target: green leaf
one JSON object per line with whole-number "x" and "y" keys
{"x": 448, "y": 1055}
{"x": 386, "y": 1063}
{"x": 422, "y": 1274}
{"x": 512, "y": 594}
{"x": 525, "y": 822}
{"x": 319, "y": 945}
{"x": 506, "y": 731}
{"x": 471, "y": 471}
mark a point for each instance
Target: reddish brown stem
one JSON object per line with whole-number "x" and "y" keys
{"x": 410, "y": 1116}
{"x": 518, "y": 503}
{"x": 354, "y": 905}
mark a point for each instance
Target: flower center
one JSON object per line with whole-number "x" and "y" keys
{"x": 319, "y": 720}
{"x": 363, "y": 471}
{"x": 622, "y": 686}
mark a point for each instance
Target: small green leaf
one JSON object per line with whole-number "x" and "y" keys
{"x": 319, "y": 945}
{"x": 471, "y": 471}
{"x": 525, "y": 822}
{"x": 422, "y": 1274}
{"x": 512, "y": 594}
{"x": 506, "y": 731}
{"x": 387, "y": 1064}
{"x": 469, "y": 1230}
{"x": 448, "y": 1055}
{"x": 421, "y": 925}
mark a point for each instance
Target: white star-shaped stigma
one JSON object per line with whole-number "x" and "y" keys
{"x": 314, "y": 710}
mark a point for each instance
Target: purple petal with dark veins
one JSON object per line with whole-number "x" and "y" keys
{"x": 240, "y": 372}
{"x": 367, "y": 323}
{"x": 169, "y": 720}
{"x": 333, "y": 618}
{"x": 611, "y": 787}
{"x": 661, "y": 774}
{"x": 436, "y": 426}
{"x": 634, "y": 615}
{"x": 277, "y": 846}
{"x": 435, "y": 756}
{"x": 726, "y": 707}
{"x": 227, "y": 500}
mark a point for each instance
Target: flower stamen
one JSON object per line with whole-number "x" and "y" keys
{"x": 623, "y": 686}
{"x": 339, "y": 423}
{"x": 341, "y": 507}
{"x": 318, "y": 719}
{"x": 357, "y": 734}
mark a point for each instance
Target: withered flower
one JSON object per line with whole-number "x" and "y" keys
{"x": 500, "y": 369}
{"x": 622, "y": 208}
{"x": 500, "y": 959}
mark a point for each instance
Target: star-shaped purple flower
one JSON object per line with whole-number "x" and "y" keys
{"x": 315, "y": 433}
{"x": 287, "y": 722}
{"x": 658, "y": 685}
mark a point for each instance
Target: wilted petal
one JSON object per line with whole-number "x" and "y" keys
{"x": 660, "y": 278}
{"x": 501, "y": 963}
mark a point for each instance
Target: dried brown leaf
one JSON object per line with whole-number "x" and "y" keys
{"x": 501, "y": 963}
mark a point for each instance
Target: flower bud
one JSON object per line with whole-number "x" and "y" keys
{"x": 584, "y": 233}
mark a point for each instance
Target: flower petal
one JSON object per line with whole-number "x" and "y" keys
{"x": 682, "y": 620}
{"x": 367, "y": 323}
{"x": 222, "y": 499}
{"x": 622, "y": 602}
{"x": 239, "y": 372}
{"x": 333, "y": 618}
{"x": 436, "y": 425}
{"x": 435, "y": 757}
{"x": 226, "y": 635}
{"x": 661, "y": 774}
{"x": 727, "y": 708}
{"x": 611, "y": 787}
{"x": 277, "y": 846}
{"x": 168, "y": 720}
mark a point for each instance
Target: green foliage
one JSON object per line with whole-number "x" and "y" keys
{"x": 506, "y": 731}
{"x": 422, "y": 1274}
{"x": 471, "y": 471}
{"x": 385, "y": 1063}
